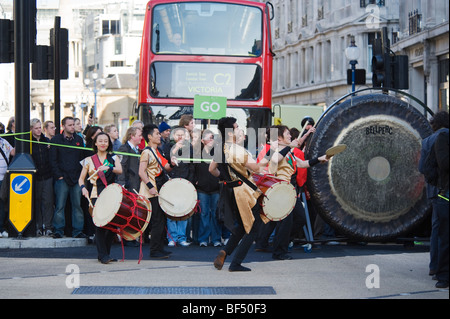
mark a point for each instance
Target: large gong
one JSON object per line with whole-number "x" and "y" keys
{"x": 372, "y": 191}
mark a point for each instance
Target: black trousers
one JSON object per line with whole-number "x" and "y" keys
{"x": 240, "y": 240}
{"x": 103, "y": 239}
{"x": 158, "y": 227}
{"x": 283, "y": 230}
{"x": 441, "y": 207}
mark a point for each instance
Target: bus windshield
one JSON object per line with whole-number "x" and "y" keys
{"x": 206, "y": 28}
{"x": 185, "y": 80}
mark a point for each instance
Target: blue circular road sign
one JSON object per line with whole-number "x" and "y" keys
{"x": 20, "y": 185}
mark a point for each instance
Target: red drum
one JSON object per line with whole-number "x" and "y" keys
{"x": 279, "y": 197}
{"x": 122, "y": 212}
{"x": 178, "y": 199}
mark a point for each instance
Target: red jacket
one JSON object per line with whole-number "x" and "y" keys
{"x": 302, "y": 173}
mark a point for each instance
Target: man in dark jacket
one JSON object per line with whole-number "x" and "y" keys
{"x": 43, "y": 196}
{"x": 130, "y": 164}
{"x": 440, "y": 124}
{"x": 66, "y": 168}
{"x": 441, "y": 148}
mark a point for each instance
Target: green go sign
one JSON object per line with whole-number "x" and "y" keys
{"x": 210, "y": 107}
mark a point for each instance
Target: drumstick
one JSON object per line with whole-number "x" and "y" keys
{"x": 299, "y": 159}
{"x": 165, "y": 200}
{"x": 303, "y": 130}
{"x": 159, "y": 197}
{"x": 90, "y": 203}
{"x": 285, "y": 145}
{"x": 139, "y": 195}
{"x": 95, "y": 173}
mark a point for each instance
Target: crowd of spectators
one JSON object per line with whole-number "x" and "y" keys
{"x": 61, "y": 210}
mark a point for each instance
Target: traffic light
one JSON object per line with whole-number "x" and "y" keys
{"x": 389, "y": 71}
{"x": 6, "y": 41}
{"x": 7, "y": 34}
{"x": 381, "y": 66}
{"x": 63, "y": 51}
{"x": 381, "y": 69}
{"x": 400, "y": 72}
{"x": 43, "y": 68}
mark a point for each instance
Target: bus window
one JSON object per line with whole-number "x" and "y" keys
{"x": 240, "y": 82}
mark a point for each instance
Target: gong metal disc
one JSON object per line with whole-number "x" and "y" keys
{"x": 373, "y": 190}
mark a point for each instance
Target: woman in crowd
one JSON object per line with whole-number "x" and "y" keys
{"x": 107, "y": 167}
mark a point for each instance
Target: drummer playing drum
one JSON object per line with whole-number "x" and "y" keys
{"x": 102, "y": 169}
{"x": 150, "y": 166}
{"x": 244, "y": 231}
{"x": 283, "y": 164}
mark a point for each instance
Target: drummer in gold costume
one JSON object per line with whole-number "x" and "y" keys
{"x": 150, "y": 167}
{"x": 241, "y": 197}
{"x": 283, "y": 164}
{"x": 102, "y": 169}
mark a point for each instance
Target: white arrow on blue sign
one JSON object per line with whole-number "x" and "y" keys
{"x": 21, "y": 185}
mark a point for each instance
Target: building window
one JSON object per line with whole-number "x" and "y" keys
{"x": 415, "y": 21}
{"x": 371, "y": 39}
{"x": 115, "y": 27}
{"x": 105, "y": 27}
{"x": 116, "y": 63}
{"x": 110, "y": 27}
{"x": 365, "y": 3}
{"x": 443, "y": 85}
{"x": 117, "y": 45}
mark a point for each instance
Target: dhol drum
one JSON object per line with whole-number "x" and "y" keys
{"x": 279, "y": 197}
{"x": 122, "y": 212}
{"x": 178, "y": 199}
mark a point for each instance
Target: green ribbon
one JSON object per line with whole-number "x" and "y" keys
{"x": 194, "y": 160}
{"x": 46, "y": 143}
{"x": 75, "y": 147}
{"x": 14, "y": 134}
{"x": 117, "y": 153}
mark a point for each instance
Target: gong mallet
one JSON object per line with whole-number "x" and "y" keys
{"x": 332, "y": 151}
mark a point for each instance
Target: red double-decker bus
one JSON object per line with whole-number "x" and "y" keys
{"x": 210, "y": 48}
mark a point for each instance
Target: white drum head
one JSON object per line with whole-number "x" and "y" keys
{"x": 107, "y": 205}
{"x": 178, "y": 197}
{"x": 279, "y": 201}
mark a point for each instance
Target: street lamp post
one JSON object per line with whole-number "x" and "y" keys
{"x": 94, "y": 90}
{"x": 352, "y": 53}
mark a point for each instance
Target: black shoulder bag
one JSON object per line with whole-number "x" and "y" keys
{"x": 163, "y": 178}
